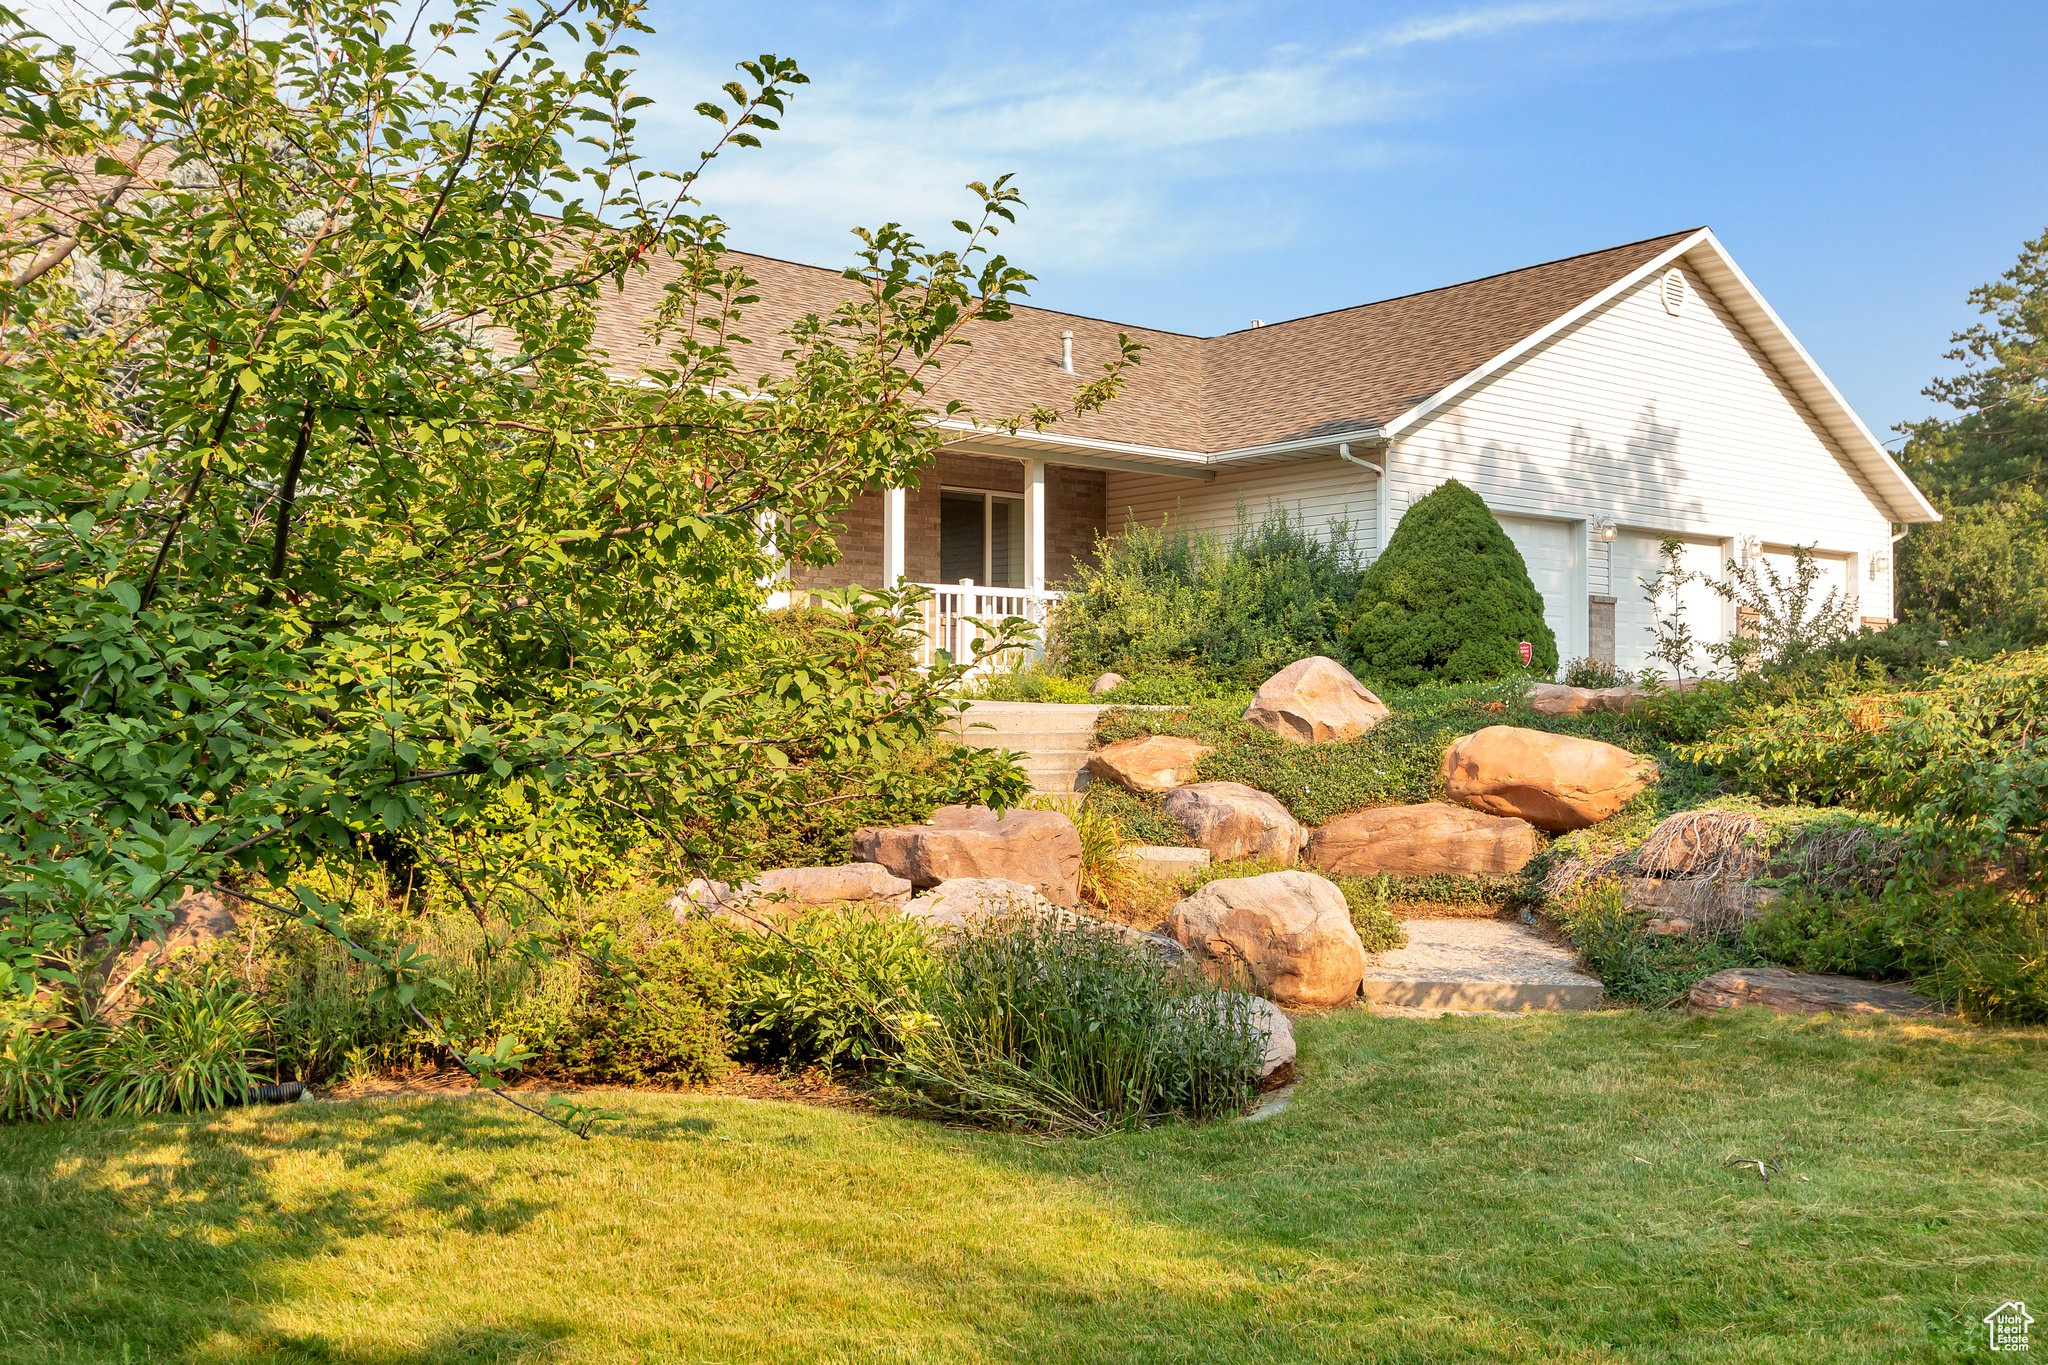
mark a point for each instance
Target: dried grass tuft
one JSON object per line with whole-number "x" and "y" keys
{"x": 1705, "y": 845}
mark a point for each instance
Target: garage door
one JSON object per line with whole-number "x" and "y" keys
{"x": 1555, "y": 554}
{"x": 1834, "y": 576}
{"x": 1636, "y": 561}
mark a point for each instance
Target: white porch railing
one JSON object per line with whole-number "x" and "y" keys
{"x": 952, "y": 609}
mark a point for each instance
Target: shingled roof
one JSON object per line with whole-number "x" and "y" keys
{"x": 1340, "y": 371}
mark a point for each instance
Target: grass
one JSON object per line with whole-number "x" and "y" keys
{"x": 1549, "y": 1188}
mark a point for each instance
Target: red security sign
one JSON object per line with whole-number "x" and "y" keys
{"x": 1528, "y": 652}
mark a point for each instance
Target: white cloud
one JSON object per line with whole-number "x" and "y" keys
{"x": 1136, "y": 138}
{"x": 1490, "y": 20}
{"x": 1139, "y": 149}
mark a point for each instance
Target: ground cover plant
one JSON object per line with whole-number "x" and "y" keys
{"x": 1534, "y": 1189}
{"x": 1958, "y": 762}
{"x": 1398, "y": 761}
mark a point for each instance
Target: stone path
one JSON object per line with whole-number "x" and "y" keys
{"x": 1478, "y": 964}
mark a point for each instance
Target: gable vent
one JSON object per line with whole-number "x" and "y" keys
{"x": 1672, "y": 290}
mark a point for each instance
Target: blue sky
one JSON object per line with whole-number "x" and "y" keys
{"x": 1194, "y": 166}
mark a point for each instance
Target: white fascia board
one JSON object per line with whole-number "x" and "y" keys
{"x": 1061, "y": 440}
{"x": 1302, "y": 445}
{"x": 1081, "y": 452}
{"x": 1366, "y": 435}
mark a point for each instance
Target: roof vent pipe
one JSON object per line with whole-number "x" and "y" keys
{"x": 1067, "y": 352}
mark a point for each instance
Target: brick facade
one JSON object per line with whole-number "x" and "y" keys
{"x": 1076, "y": 512}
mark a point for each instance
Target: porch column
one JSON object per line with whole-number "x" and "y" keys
{"x": 893, "y": 512}
{"x": 774, "y": 579}
{"x": 1034, "y": 525}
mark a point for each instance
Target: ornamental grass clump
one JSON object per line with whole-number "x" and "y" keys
{"x": 1061, "y": 1026}
{"x": 187, "y": 1047}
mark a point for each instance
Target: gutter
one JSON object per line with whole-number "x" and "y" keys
{"x": 1381, "y": 495}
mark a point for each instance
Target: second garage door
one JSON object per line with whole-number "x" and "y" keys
{"x": 1636, "y": 562}
{"x": 1555, "y": 553}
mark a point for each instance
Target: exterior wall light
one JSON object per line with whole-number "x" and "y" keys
{"x": 1880, "y": 564}
{"x": 1606, "y": 530}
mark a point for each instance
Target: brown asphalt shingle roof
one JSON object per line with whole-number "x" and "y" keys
{"x": 1327, "y": 373}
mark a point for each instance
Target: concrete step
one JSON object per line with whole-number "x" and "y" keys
{"x": 1061, "y": 742}
{"x": 1479, "y": 964}
{"x": 1029, "y": 717}
{"x": 1055, "y": 739}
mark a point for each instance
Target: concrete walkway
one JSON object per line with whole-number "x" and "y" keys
{"x": 1479, "y": 964}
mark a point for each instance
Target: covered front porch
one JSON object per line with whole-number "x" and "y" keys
{"x": 987, "y": 531}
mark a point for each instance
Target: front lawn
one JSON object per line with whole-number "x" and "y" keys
{"x": 1549, "y": 1188}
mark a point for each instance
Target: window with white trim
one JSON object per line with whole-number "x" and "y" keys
{"x": 981, "y": 536}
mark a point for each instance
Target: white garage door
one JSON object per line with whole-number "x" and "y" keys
{"x": 1834, "y": 576}
{"x": 1637, "y": 559}
{"x": 1555, "y": 554}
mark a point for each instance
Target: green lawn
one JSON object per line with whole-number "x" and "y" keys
{"x": 1541, "y": 1189}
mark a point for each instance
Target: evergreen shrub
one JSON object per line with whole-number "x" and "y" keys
{"x": 1449, "y": 601}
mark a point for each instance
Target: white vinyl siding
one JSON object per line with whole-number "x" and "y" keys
{"x": 1673, "y": 424}
{"x": 1319, "y": 492}
{"x": 1555, "y": 553}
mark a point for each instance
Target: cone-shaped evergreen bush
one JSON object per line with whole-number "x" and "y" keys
{"x": 1449, "y": 600}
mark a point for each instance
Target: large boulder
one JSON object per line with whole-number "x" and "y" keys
{"x": 760, "y": 900}
{"x": 1683, "y": 905}
{"x": 1038, "y": 847}
{"x": 1290, "y": 931}
{"x": 1276, "y": 1064}
{"x": 1561, "y": 699}
{"x": 970, "y": 902}
{"x": 1774, "y": 988}
{"x": 1423, "y": 840}
{"x": 965, "y": 904}
{"x": 829, "y": 885}
{"x": 1105, "y": 683}
{"x": 198, "y": 921}
{"x": 1150, "y": 763}
{"x": 1555, "y": 782}
{"x": 1234, "y": 821}
{"x": 1313, "y": 701}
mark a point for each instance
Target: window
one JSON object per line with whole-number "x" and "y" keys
{"x": 981, "y": 536}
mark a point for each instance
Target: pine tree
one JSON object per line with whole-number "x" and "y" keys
{"x": 1449, "y": 600}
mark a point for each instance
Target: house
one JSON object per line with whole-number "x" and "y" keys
{"x": 1599, "y": 404}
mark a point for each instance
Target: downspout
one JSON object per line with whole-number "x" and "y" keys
{"x": 1380, "y": 492}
